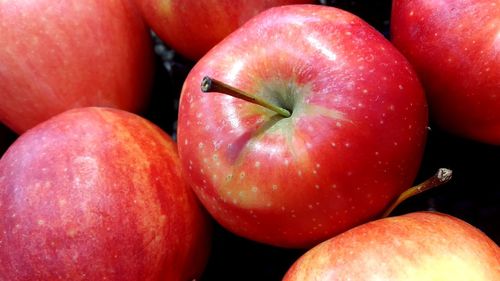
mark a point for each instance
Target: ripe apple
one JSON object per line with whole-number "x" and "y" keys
{"x": 353, "y": 142}
{"x": 454, "y": 47}
{"x": 66, "y": 54}
{"x": 96, "y": 194}
{"x": 416, "y": 246}
{"x": 194, "y": 27}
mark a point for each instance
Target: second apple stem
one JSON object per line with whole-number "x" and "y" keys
{"x": 209, "y": 84}
{"x": 442, "y": 176}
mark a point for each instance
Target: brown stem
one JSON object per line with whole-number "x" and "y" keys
{"x": 442, "y": 176}
{"x": 209, "y": 84}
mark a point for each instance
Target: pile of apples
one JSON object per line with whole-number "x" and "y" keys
{"x": 266, "y": 140}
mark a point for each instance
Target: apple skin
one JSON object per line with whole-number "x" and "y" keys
{"x": 75, "y": 53}
{"x": 193, "y": 27}
{"x": 354, "y": 141}
{"x": 415, "y": 246}
{"x": 97, "y": 194}
{"x": 454, "y": 47}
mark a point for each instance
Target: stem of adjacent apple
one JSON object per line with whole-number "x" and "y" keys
{"x": 209, "y": 84}
{"x": 442, "y": 176}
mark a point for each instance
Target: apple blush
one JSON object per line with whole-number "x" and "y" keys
{"x": 192, "y": 28}
{"x": 97, "y": 194}
{"x": 454, "y": 47}
{"x": 56, "y": 56}
{"x": 412, "y": 247}
{"x": 308, "y": 122}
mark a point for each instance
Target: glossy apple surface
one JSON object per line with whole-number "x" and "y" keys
{"x": 353, "y": 143}
{"x": 66, "y": 54}
{"x": 96, "y": 194}
{"x": 416, "y": 246}
{"x": 194, "y": 27}
{"x": 455, "y": 48}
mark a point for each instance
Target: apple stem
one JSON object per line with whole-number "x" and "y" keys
{"x": 209, "y": 84}
{"x": 442, "y": 176}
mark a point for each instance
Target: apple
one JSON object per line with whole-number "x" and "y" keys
{"x": 66, "y": 54}
{"x": 193, "y": 27}
{"x": 454, "y": 47}
{"x": 415, "y": 246}
{"x": 97, "y": 194}
{"x": 353, "y": 140}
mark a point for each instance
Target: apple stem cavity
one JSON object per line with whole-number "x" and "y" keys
{"x": 209, "y": 84}
{"x": 442, "y": 176}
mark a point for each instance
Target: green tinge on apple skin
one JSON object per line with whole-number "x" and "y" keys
{"x": 283, "y": 102}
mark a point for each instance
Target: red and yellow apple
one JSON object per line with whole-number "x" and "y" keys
{"x": 455, "y": 48}
{"x": 58, "y": 55}
{"x": 193, "y": 27}
{"x": 417, "y": 246}
{"x": 353, "y": 142}
{"x": 97, "y": 194}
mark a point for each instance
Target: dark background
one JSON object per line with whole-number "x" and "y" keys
{"x": 472, "y": 195}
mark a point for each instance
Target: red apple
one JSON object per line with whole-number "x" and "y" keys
{"x": 96, "y": 194}
{"x": 194, "y": 27}
{"x": 417, "y": 246}
{"x": 455, "y": 48}
{"x": 353, "y": 142}
{"x": 66, "y": 54}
